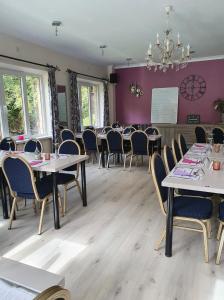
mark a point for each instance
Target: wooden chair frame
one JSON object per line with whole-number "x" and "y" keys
{"x": 122, "y": 147}
{"x": 54, "y": 293}
{"x": 134, "y": 155}
{"x": 173, "y": 150}
{"x": 154, "y": 127}
{"x": 220, "y": 238}
{"x": 165, "y": 159}
{"x": 14, "y": 195}
{"x": 97, "y": 147}
{"x": 66, "y": 129}
{"x": 205, "y": 224}
{"x": 67, "y": 187}
{"x": 179, "y": 143}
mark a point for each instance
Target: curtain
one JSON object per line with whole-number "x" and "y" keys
{"x": 74, "y": 104}
{"x": 106, "y": 121}
{"x": 54, "y": 104}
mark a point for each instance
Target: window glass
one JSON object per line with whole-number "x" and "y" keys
{"x": 14, "y": 103}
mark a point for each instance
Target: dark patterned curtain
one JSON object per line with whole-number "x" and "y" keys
{"x": 106, "y": 121}
{"x": 74, "y": 103}
{"x": 54, "y": 104}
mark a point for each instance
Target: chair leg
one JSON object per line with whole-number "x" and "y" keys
{"x": 220, "y": 249}
{"x": 60, "y": 204}
{"x": 219, "y": 231}
{"x": 79, "y": 188}
{"x": 205, "y": 237}
{"x": 130, "y": 161}
{"x": 158, "y": 243}
{"x": 125, "y": 156}
{"x": 108, "y": 159}
{"x": 100, "y": 156}
{"x": 12, "y": 212}
{"x": 65, "y": 198}
{"x": 41, "y": 216}
{"x": 209, "y": 228}
{"x": 149, "y": 169}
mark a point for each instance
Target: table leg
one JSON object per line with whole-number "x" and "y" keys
{"x": 55, "y": 202}
{"x": 3, "y": 196}
{"x": 83, "y": 178}
{"x": 169, "y": 223}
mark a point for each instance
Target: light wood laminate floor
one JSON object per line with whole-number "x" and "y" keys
{"x": 106, "y": 250}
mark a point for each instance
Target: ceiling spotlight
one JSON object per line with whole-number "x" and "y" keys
{"x": 56, "y": 24}
{"x": 129, "y": 59}
{"x": 103, "y": 47}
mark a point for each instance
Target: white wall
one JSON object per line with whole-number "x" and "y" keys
{"x": 24, "y": 50}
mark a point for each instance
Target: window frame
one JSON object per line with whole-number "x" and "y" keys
{"x": 3, "y": 110}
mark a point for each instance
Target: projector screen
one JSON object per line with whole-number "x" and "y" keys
{"x": 164, "y": 105}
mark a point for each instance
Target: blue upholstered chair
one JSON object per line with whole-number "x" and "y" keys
{"x": 128, "y": 130}
{"x": 176, "y": 151}
{"x": 69, "y": 177}
{"x": 116, "y": 125}
{"x": 90, "y": 127}
{"x": 182, "y": 145}
{"x": 67, "y": 134}
{"x": 89, "y": 138}
{"x": 115, "y": 145}
{"x": 140, "y": 145}
{"x": 152, "y": 130}
{"x": 7, "y": 143}
{"x": 106, "y": 129}
{"x": 218, "y": 135}
{"x": 31, "y": 146}
{"x": 22, "y": 184}
{"x": 200, "y": 134}
{"x": 220, "y": 235}
{"x": 170, "y": 164}
{"x": 185, "y": 208}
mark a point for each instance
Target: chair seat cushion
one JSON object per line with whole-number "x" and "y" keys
{"x": 194, "y": 193}
{"x": 64, "y": 178}
{"x": 44, "y": 188}
{"x": 221, "y": 211}
{"x": 191, "y": 207}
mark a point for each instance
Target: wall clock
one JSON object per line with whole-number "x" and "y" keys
{"x": 193, "y": 87}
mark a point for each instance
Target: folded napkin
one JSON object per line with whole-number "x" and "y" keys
{"x": 192, "y": 161}
{"x": 35, "y": 163}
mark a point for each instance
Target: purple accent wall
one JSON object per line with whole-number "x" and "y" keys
{"x": 130, "y": 109}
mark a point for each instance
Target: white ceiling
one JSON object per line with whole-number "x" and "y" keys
{"x": 125, "y": 26}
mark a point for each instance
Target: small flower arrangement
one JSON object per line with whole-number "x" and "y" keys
{"x": 219, "y": 105}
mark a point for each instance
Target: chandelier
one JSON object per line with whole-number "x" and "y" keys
{"x": 166, "y": 53}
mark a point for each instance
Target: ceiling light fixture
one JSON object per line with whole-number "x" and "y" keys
{"x": 166, "y": 53}
{"x": 103, "y": 47}
{"x": 56, "y": 24}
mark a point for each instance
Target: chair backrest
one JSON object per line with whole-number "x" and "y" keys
{"x": 182, "y": 144}
{"x": 152, "y": 130}
{"x": 31, "y": 146}
{"x": 54, "y": 293}
{"x": 176, "y": 151}
{"x": 67, "y": 134}
{"x": 158, "y": 175}
{"x": 4, "y": 144}
{"x": 90, "y": 127}
{"x": 200, "y": 134}
{"x": 218, "y": 135}
{"x": 106, "y": 129}
{"x": 89, "y": 140}
{"x": 168, "y": 158}
{"x": 116, "y": 125}
{"x": 136, "y": 126}
{"x": 70, "y": 147}
{"x": 129, "y": 129}
{"x": 19, "y": 176}
{"x": 114, "y": 141}
{"x": 139, "y": 143}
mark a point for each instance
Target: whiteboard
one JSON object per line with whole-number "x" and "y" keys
{"x": 164, "y": 105}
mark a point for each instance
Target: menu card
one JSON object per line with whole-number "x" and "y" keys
{"x": 186, "y": 173}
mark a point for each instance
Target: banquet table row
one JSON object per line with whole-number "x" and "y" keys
{"x": 153, "y": 139}
{"x": 53, "y": 166}
{"x": 193, "y": 172}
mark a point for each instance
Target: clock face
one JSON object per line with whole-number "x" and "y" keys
{"x": 193, "y": 87}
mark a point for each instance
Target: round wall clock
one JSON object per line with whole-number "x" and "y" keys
{"x": 193, "y": 87}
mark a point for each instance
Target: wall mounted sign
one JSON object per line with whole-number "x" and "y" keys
{"x": 193, "y": 119}
{"x": 135, "y": 90}
{"x": 193, "y": 87}
{"x": 62, "y": 105}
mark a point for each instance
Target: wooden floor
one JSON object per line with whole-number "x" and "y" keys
{"x": 106, "y": 251}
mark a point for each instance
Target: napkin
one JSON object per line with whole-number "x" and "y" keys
{"x": 186, "y": 173}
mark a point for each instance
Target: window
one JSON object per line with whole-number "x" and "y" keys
{"x": 90, "y": 103}
{"x": 21, "y": 103}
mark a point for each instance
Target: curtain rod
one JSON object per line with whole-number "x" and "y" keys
{"x": 30, "y": 62}
{"x": 86, "y": 75}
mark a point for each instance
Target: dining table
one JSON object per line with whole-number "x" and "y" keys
{"x": 196, "y": 171}
{"x": 154, "y": 139}
{"x": 56, "y": 163}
